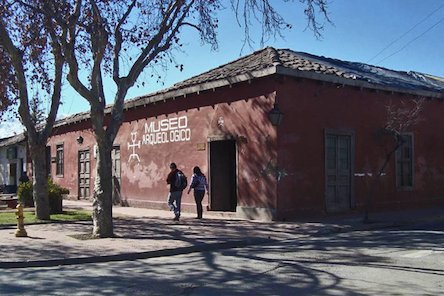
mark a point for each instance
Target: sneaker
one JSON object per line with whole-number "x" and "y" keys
{"x": 176, "y": 218}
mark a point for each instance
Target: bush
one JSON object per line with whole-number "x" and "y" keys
{"x": 24, "y": 193}
{"x": 56, "y": 189}
{"x": 55, "y": 195}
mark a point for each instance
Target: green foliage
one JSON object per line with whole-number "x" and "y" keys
{"x": 8, "y": 218}
{"x": 66, "y": 216}
{"x": 37, "y": 110}
{"x": 24, "y": 193}
{"x": 55, "y": 195}
{"x": 55, "y": 189}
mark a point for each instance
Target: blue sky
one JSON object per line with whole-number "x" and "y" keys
{"x": 361, "y": 29}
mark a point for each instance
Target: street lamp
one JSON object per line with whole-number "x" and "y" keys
{"x": 80, "y": 139}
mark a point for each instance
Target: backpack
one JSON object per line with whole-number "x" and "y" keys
{"x": 181, "y": 181}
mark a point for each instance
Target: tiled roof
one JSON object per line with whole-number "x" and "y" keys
{"x": 371, "y": 75}
{"x": 260, "y": 60}
{"x": 284, "y": 61}
{"x": 269, "y": 61}
{"x": 12, "y": 140}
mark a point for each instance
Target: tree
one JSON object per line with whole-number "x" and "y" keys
{"x": 31, "y": 61}
{"x": 121, "y": 39}
{"x": 400, "y": 119}
{"x": 6, "y": 84}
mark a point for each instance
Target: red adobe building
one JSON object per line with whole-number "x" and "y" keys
{"x": 316, "y": 161}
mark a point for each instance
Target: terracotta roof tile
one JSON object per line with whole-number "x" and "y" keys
{"x": 301, "y": 62}
{"x": 288, "y": 62}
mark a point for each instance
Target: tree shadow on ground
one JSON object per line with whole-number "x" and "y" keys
{"x": 252, "y": 270}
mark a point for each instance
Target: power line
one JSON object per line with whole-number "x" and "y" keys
{"x": 403, "y": 35}
{"x": 413, "y": 40}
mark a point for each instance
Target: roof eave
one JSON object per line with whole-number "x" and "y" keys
{"x": 200, "y": 87}
{"x": 276, "y": 69}
{"x": 15, "y": 140}
{"x": 355, "y": 82}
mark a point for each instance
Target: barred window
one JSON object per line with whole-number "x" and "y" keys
{"x": 48, "y": 161}
{"x": 59, "y": 160}
{"x": 404, "y": 163}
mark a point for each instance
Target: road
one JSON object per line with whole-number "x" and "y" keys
{"x": 405, "y": 261}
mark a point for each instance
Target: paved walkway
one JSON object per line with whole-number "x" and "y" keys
{"x": 144, "y": 233}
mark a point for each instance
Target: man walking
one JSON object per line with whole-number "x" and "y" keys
{"x": 175, "y": 181}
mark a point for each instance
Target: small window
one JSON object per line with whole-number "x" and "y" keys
{"x": 11, "y": 153}
{"x": 404, "y": 163}
{"x": 59, "y": 160}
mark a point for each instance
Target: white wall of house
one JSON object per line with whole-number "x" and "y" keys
{"x": 12, "y": 168}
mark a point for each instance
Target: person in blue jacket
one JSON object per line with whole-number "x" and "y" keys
{"x": 200, "y": 185}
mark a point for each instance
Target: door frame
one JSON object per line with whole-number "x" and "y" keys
{"x": 341, "y": 132}
{"x": 12, "y": 173}
{"x": 119, "y": 178}
{"x": 78, "y": 172}
{"x": 211, "y": 139}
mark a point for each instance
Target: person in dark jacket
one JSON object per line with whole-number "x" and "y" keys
{"x": 175, "y": 195}
{"x": 200, "y": 185}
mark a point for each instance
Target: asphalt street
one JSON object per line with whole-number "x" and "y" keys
{"x": 398, "y": 261}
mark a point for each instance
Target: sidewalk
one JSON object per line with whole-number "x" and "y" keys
{"x": 145, "y": 233}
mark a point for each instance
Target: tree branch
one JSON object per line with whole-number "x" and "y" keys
{"x": 99, "y": 40}
{"x": 70, "y": 55}
{"x": 153, "y": 48}
{"x": 118, "y": 44}
{"x": 192, "y": 25}
{"x": 57, "y": 85}
{"x": 17, "y": 61}
{"x": 148, "y": 54}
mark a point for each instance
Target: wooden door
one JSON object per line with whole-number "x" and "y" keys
{"x": 223, "y": 176}
{"x": 115, "y": 158}
{"x": 13, "y": 174}
{"x": 84, "y": 174}
{"x": 338, "y": 164}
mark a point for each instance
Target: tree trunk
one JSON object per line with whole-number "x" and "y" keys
{"x": 102, "y": 195}
{"x": 40, "y": 183}
{"x": 375, "y": 181}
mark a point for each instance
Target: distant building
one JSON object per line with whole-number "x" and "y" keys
{"x": 315, "y": 161}
{"x": 12, "y": 162}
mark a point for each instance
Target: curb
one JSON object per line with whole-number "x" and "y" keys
{"x": 136, "y": 256}
{"x": 375, "y": 225}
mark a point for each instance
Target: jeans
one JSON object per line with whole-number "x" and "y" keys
{"x": 174, "y": 200}
{"x": 198, "y": 197}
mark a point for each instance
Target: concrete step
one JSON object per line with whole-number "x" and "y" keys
{"x": 8, "y": 200}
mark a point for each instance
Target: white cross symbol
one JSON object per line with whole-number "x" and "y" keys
{"x": 133, "y": 146}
